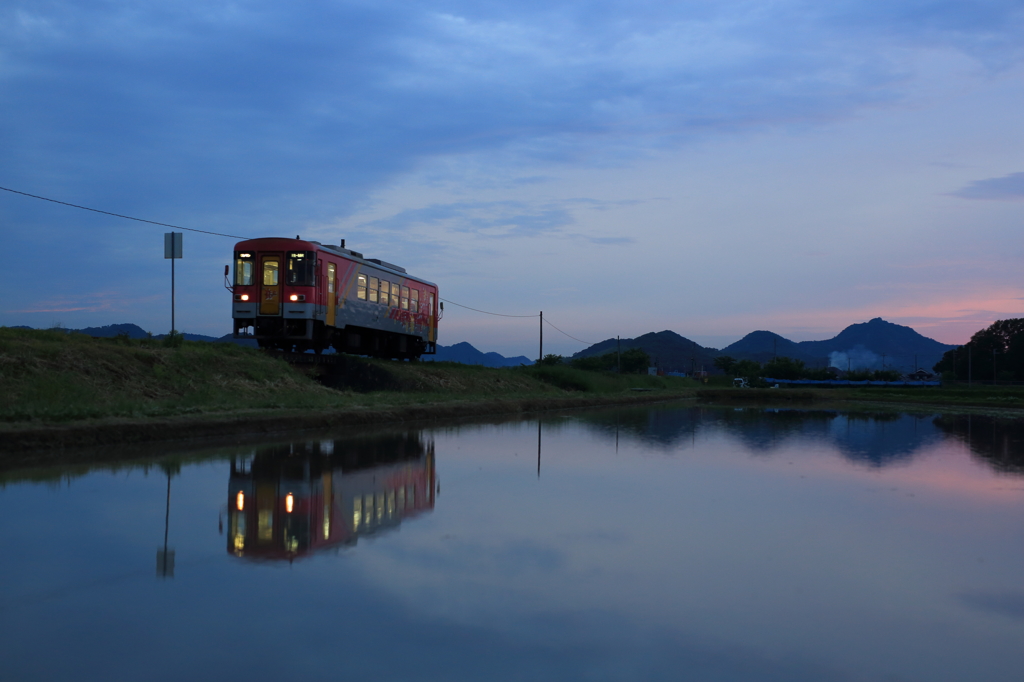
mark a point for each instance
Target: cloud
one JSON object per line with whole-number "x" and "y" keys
{"x": 1007, "y": 188}
{"x": 278, "y": 113}
{"x": 487, "y": 219}
{"x": 1010, "y": 604}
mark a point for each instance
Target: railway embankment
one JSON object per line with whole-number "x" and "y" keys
{"x": 60, "y": 390}
{"x": 69, "y": 391}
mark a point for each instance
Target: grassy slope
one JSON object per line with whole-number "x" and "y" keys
{"x": 50, "y": 377}
{"x": 54, "y": 377}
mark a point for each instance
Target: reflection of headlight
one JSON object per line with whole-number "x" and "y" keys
{"x": 240, "y": 500}
{"x": 289, "y": 502}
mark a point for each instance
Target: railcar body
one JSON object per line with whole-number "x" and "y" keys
{"x": 301, "y": 295}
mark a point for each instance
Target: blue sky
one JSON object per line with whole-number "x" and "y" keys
{"x": 710, "y": 168}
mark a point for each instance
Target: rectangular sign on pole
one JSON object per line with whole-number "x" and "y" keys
{"x": 172, "y": 244}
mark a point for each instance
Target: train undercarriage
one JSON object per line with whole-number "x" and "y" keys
{"x": 300, "y": 336}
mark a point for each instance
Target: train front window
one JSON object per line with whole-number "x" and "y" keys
{"x": 243, "y": 271}
{"x": 301, "y": 268}
{"x": 270, "y": 273}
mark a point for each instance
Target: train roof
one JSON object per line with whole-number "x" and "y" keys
{"x": 309, "y": 245}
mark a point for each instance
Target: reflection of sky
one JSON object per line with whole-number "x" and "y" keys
{"x": 615, "y": 563}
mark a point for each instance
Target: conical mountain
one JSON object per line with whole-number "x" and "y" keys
{"x": 668, "y": 350}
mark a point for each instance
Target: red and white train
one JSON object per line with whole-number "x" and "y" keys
{"x": 300, "y": 295}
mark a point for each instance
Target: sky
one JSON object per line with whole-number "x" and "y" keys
{"x": 626, "y": 167}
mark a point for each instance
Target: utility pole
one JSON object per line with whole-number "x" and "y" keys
{"x": 618, "y": 355}
{"x": 968, "y": 364}
{"x": 172, "y": 250}
{"x": 541, "y": 356}
{"x": 993, "y": 366}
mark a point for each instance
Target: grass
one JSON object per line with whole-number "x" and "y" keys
{"x": 52, "y": 377}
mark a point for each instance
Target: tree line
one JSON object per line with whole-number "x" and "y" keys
{"x": 629, "y": 361}
{"x": 788, "y": 368}
{"x": 994, "y": 353}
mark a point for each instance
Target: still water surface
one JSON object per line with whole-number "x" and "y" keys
{"x": 661, "y": 544}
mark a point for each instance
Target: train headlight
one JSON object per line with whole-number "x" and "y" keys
{"x": 289, "y": 503}
{"x": 245, "y": 297}
{"x": 297, "y": 298}
{"x": 241, "y": 297}
{"x": 293, "y": 297}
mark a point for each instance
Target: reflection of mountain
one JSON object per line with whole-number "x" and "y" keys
{"x": 997, "y": 442}
{"x": 288, "y": 501}
{"x": 875, "y": 439}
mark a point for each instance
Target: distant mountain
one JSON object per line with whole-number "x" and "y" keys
{"x": 668, "y": 351}
{"x": 860, "y": 346}
{"x": 468, "y": 355}
{"x": 762, "y": 346}
{"x": 866, "y": 345}
{"x": 133, "y": 331}
{"x": 871, "y": 343}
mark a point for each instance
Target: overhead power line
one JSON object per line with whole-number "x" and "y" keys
{"x": 235, "y": 236}
{"x": 485, "y": 312}
{"x": 546, "y": 321}
{"x": 589, "y": 343}
{"x": 118, "y": 215}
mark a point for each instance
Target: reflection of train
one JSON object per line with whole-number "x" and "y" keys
{"x": 291, "y": 500}
{"x": 291, "y": 293}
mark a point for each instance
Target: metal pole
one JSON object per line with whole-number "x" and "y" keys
{"x": 618, "y": 360}
{"x": 541, "y": 357}
{"x": 968, "y": 364}
{"x": 172, "y": 288}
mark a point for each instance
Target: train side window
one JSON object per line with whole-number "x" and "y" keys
{"x": 431, "y": 311}
{"x": 243, "y": 272}
{"x": 302, "y": 268}
{"x": 331, "y": 269}
{"x": 361, "y": 287}
{"x": 405, "y": 298}
{"x": 414, "y": 303}
{"x": 385, "y": 292}
{"x": 270, "y": 273}
{"x": 372, "y": 291}
{"x": 394, "y": 295}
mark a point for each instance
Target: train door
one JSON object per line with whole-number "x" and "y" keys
{"x": 332, "y": 294}
{"x": 432, "y": 320}
{"x": 270, "y": 285}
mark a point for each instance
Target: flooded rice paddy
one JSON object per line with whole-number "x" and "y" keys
{"x": 642, "y": 544}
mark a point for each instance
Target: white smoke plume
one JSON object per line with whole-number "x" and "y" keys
{"x": 855, "y": 358}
